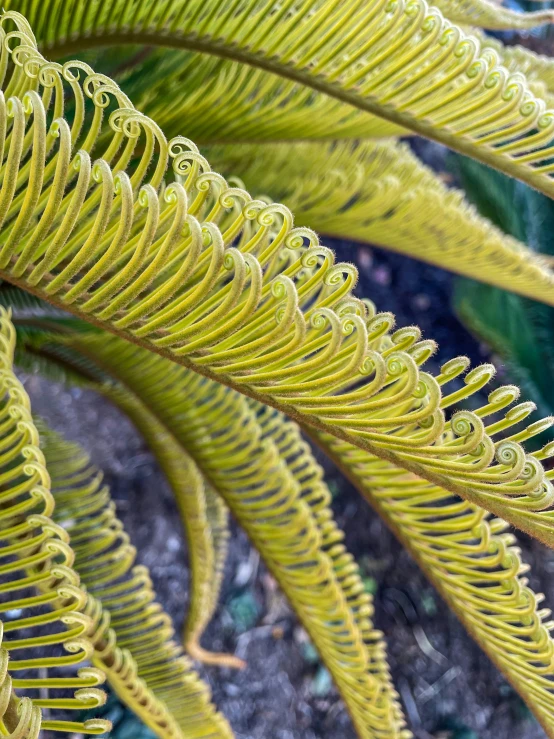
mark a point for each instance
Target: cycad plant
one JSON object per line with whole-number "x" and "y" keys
{"x": 230, "y": 336}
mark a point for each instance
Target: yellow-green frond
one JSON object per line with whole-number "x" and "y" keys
{"x": 251, "y": 302}
{"x": 473, "y": 563}
{"x": 44, "y": 622}
{"x": 205, "y": 520}
{"x": 219, "y": 100}
{"x": 217, "y": 515}
{"x": 465, "y": 457}
{"x": 492, "y": 15}
{"x": 281, "y": 503}
{"x": 313, "y": 490}
{"x": 118, "y": 664}
{"x": 203, "y": 512}
{"x": 402, "y": 61}
{"x": 244, "y": 466}
{"x": 169, "y": 696}
{"x": 380, "y": 193}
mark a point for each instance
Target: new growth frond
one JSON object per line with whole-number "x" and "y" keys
{"x": 227, "y": 286}
{"x": 135, "y": 644}
{"x": 402, "y": 61}
{"x": 46, "y": 632}
{"x": 474, "y": 564}
{"x": 379, "y": 192}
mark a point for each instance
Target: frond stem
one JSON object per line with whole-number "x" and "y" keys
{"x": 208, "y": 46}
{"x": 443, "y": 481}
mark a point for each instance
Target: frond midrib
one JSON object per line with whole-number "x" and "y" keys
{"x": 382, "y": 110}
{"x": 288, "y": 410}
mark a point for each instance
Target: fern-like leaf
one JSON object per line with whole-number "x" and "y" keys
{"x": 43, "y": 607}
{"x": 380, "y": 193}
{"x": 473, "y": 563}
{"x": 519, "y": 499}
{"x": 203, "y": 512}
{"x": 272, "y": 317}
{"x": 139, "y": 649}
{"x": 225, "y": 101}
{"x": 401, "y": 61}
{"x": 243, "y": 465}
{"x": 514, "y": 488}
{"x": 204, "y": 516}
{"x": 313, "y": 490}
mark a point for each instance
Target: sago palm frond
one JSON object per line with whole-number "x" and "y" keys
{"x": 218, "y": 100}
{"x": 380, "y": 193}
{"x": 473, "y": 563}
{"x": 100, "y": 642}
{"x": 298, "y": 456}
{"x": 466, "y": 555}
{"x": 46, "y": 632}
{"x": 401, "y": 61}
{"x": 168, "y": 695}
{"x": 273, "y": 317}
{"x": 222, "y": 100}
{"x": 491, "y": 15}
{"x": 203, "y": 512}
{"x": 521, "y": 502}
{"x": 243, "y": 465}
{"x": 275, "y": 490}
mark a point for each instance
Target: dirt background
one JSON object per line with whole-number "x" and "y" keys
{"x": 449, "y": 688}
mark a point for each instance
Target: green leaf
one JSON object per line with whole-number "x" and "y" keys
{"x": 402, "y": 62}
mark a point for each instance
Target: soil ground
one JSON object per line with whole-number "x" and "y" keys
{"x": 449, "y": 688}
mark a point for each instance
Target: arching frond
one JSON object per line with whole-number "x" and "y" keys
{"x": 273, "y": 317}
{"x": 473, "y": 563}
{"x": 169, "y": 696}
{"x": 117, "y": 664}
{"x": 526, "y": 502}
{"x": 282, "y": 503}
{"x": 223, "y": 101}
{"x": 313, "y": 490}
{"x": 243, "y": 465}
{"x": 204, "y": 516}
{"x": 401, "y": 61}
{"x": 380, "y": 193}
{"x": 219, "y": 100}
{"x": 491, "y": 15}
{"x": 217, "y": 515}
{"x": 45, "y": 626}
